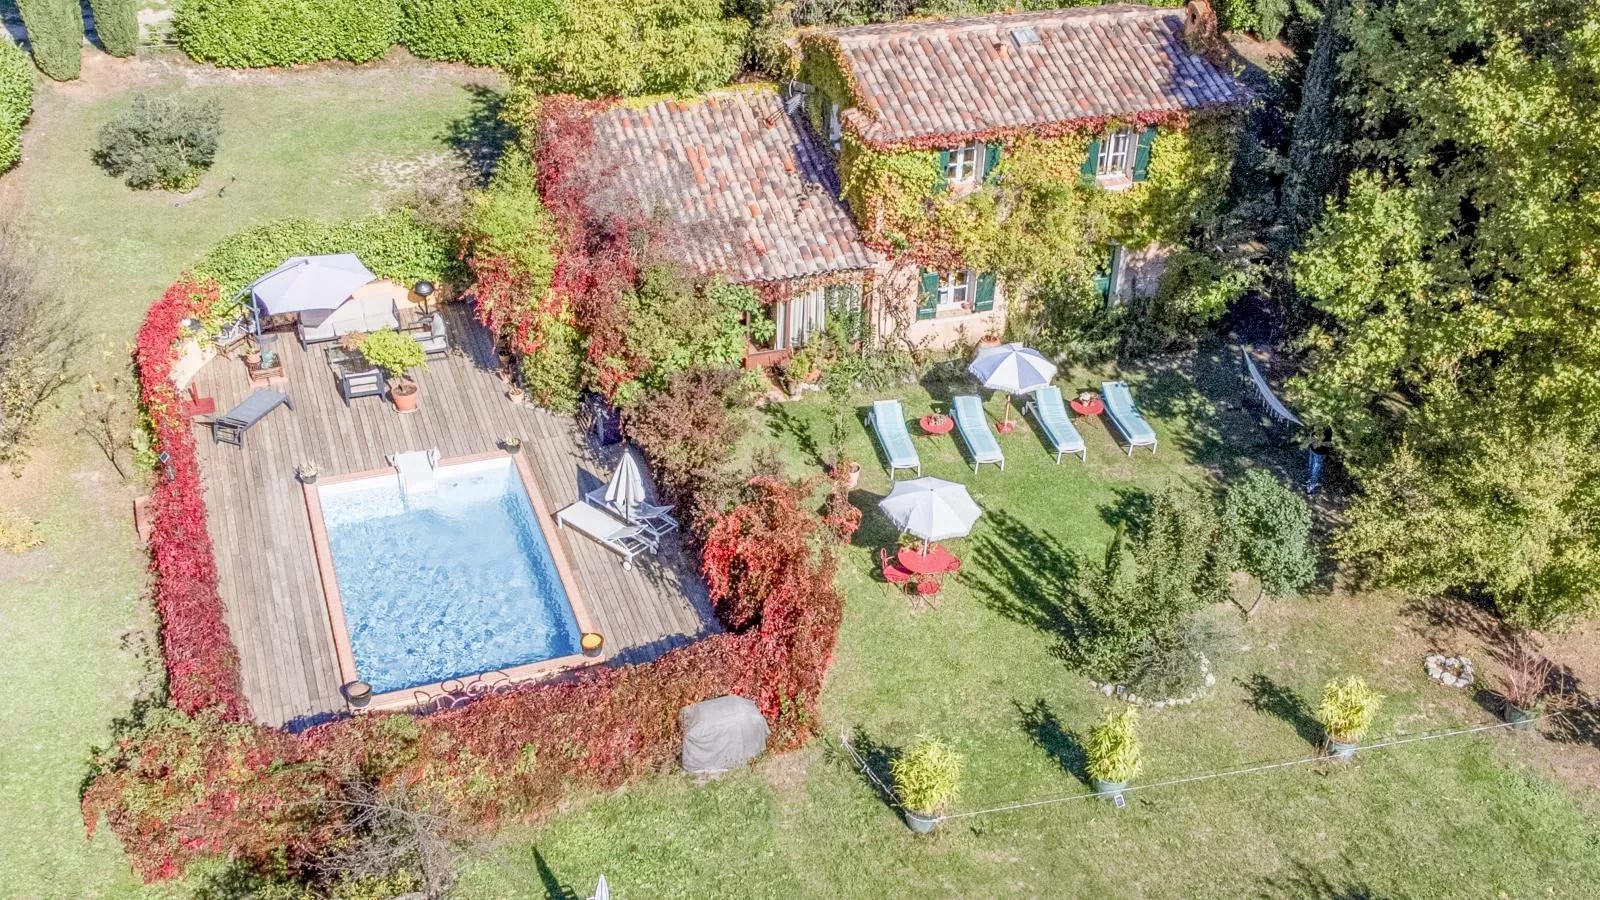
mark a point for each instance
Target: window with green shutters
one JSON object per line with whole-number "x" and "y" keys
{"x": 928, "y": 295}
{"x": 991, "y": 160}
{"x": 1091, "y": 162}
{"x": 943, "y": 184}
{"x": 985, "y": 298}
{"x": 1141, "y": 159}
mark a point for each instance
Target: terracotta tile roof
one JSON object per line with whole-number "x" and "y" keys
{"x": 922, "y": 79}
{"x": 750, "y": 193}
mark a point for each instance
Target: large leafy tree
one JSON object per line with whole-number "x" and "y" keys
{"x": 1457, "y": 363}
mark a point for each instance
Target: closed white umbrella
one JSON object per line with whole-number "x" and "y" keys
{"x": 625, "y": 491}
{"x": 931, "y": 508}
{"x": 310, "y": 282}
{"x": 1012, "y": 368}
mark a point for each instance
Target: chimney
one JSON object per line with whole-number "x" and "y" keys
{"x": 1200, "y": 32}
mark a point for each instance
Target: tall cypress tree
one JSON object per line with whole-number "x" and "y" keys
{"x": 117, "y": 24}
{"x": 55, "y": 32}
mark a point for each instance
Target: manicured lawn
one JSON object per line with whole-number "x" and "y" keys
{"x": 328, "y": 142}
{"x": 1418, "y": 821}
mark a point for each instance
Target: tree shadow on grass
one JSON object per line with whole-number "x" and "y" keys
{"x": 1060, "y": 744}
{"x": 1302, "y": 881}
{"x": 783, "y": 423}
{"x": 1131, "y": 510}
{"x": 1266, "y": 695}
{"x": 479, "y": 137}
{"x": 1024, "y": 575}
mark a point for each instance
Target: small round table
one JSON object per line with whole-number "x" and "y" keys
{"x": 1091, "y": 407}
{"x": 935, "y": 424}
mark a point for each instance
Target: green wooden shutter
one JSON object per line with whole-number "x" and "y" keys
{"x": 928, "y": 295}
{"x": 1141, "y": 160}
{"x": 985, "y": 301}
{"x": 991, "y": 160}
{"x": 1092, "y": 161}
{"x": 943, "y": 184}
{"x": 1102, "y": 276}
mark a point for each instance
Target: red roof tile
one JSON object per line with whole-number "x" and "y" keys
{"x": 735, "y": 175}
{"x": 919, "y": 79}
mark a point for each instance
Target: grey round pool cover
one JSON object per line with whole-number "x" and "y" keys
{"x": 721, "y": 734}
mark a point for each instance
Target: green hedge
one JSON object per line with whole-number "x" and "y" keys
{"x": 481, "y": 32}
{"x": 393, "y": 245}
{"x": 117, "y": 24}
{"x": 16, "y": 101}
{"x": 250, "y": 33}
{"x": 55, "y": 32}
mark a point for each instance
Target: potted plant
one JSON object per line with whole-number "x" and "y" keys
{"x": 926, "y": 779}
{"x": 396, "y": 354}
{"x": 1114, "y": 753}
{"x": 307, "y": 471}
{"x": 1346, "y": 712}
{"x": 512, "y": 443}
{"x": 1522, "y": 680}
{"x": 797, "y": 371}
{"x": 991, "y": 338}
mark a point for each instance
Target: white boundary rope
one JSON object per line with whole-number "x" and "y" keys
{"x": 1226, "y": 773}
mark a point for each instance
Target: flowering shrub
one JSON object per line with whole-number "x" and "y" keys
{"x": 196, "y": 780}
{"x": 202, "y": 663}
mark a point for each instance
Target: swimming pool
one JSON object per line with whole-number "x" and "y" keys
{"x": 443, "y": 581}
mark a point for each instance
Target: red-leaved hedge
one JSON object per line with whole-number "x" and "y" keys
{"x": 197, "y": 780}
{"x": 202, "y": 663}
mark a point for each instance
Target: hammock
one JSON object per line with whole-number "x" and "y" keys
{"x": 1268, "y": 398}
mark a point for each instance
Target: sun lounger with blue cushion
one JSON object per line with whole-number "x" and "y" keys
{"x": 1047, "y": 407}
{"x": 1125, "y": 415}
{"x": 888, "y": 422}
{"x": 973, "y": 424}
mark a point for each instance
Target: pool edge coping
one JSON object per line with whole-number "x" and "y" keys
{"x": 423, "y": 694}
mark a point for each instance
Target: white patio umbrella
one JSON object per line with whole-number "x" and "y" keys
{"x": 625, "y": 491}
{"x": 931, "y": 508}
{"x": 1012, "y": 368}
{"x": 309, "y": 282}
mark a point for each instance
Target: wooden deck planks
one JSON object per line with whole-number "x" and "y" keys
{"x": 267, "y": 568}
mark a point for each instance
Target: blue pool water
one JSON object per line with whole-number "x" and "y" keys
{"x": 445, "y": 584}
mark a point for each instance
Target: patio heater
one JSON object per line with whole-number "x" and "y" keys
{"x": 424, "y": 290}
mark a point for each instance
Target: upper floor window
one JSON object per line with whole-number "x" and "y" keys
{"x": 835, "y": 127}
{"x": 961, "y": 167}
{"x": 1116, "y": 153}
{"x": 955, "y": 288}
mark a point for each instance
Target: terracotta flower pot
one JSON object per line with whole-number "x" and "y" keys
{"x": 404, "y": 395}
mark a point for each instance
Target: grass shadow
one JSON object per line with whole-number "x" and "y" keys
{"x": 1303, "y": 881}
{"x": 1060, "y": 744}
{"x": 1267, "y": 696}
{"x": 877, "y": 755}
{"x": 481, "y": 135}
{"x": 782, "y": 422}
{"x": 1024, "y": 575}
{"x": 553, "y": 888}
{"x": 1131, "y": 510}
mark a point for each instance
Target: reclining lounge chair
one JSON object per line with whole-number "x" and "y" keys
{"x": 973, "y": 424}
{"x": 1047, "y": 407}
{"x": 1126, "y": 416}
{"x": 229, "y": 428}
{"x": 626, "y": 540}
{"x": 888, "y": 422}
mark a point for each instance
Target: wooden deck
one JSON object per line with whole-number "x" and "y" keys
{"x": 258, "y": 521}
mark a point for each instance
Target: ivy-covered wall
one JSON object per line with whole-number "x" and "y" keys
{"x": 1035, "y": 216}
